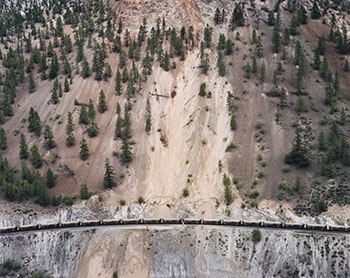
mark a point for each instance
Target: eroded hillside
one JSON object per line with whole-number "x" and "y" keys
{"x": 214, "y": 93}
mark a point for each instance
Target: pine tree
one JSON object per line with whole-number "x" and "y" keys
{"x": 83, "y": 116}
{"x": 166, "y": 62}
{"x": 48, "y": 136}
{"x": 66, "y": 85}
{"x": 54, "y": 66}
{"x": 207, "y": 36}
{"x": 317, "y": 59}
{"x": 31, "y": 83}
{"x": 271, "y": 18}
{"x": 322, "y": 145}
{"x": 50, "y": 178}
{"x": 102, "y": 104}
{"x": 54, "y": 95}
{"x": 315, "y": 12}
{"x": 23, "y": 148}
{"x": 70, "y": 140}
{"x": 148, "y": 117}
{"x": 108, "y": 181}
{"x": 276, "y": 39}
{"x": 35, "y": 157}
{"x": 229, "y": 47}
{"x": 254, "y": 65}
{"x": 125, "y": 75}
{"x": 262, "y": 73}
{"x": 118, "y": 86}
{"x": 221, "y": 65}
{"x": 86, "y": 69}
{"x": 233, "y": 123}
{"x": 42, "y": 196}
{"x": 126, "y": 155}
{"x": 3, "y": 139}
{"x": 202, "y": 92}
{"x": 342, "y": 119}
{"x": 118, "y": 126}
{"x": 217, "y": 16}
{"x": 299, "y": 154}
{"x": 91, "y": 110}
{"x": 84, "y": 151}
{"x": 34, "y": 122}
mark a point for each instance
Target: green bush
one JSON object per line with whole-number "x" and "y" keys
{"x": 256, "y": 235}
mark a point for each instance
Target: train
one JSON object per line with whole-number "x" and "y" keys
{"x": 173, "y": 221}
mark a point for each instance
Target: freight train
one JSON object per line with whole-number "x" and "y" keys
{"x": 172, "y": 221}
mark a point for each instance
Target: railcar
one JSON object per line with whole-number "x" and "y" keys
{"x": 150, "y": 221}
{"x": 318, "y": 227}
{"x": 172, "y": 221}
{"x": 338, "y": 228}
{"x": 47, "y": 226}
{"x": 131, "y": 221}
{"x": 230, "y": 222}
{"x": 91, "y": 223}
{"x": 251, "y": 223}
{"x": 111, "y": 221}
{"x": 10, "y": 229}
{"x": 191, "y": 221}
{"x": 270, "y": 224}
{"x": 30, "y": 227}
{"x": 295, "y": 226}
{"x": 70, "y": 224}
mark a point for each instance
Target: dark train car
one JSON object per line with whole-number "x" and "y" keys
{"x": 251, "y": 223}
{"x": 318, "y": 227}
{"x": 298, "y": 226}
{"x": 131, "y": 221}
{"x": 30, "y": 227}
{"x": 70, "y": 224}
{"x": 230, "y": 222}
{"x": 172, "y": 221}
{"x": 48, "y": 226}
{"x": 338, "y": 228}
{"x": 91, "y": 223}
{"x": 213, "y": 222}
{"x": 150, "y": 221}
{"x": 190, "y": 221}
{"x": 10, "y": 229}
{"x": 269, "y": 224}
{"x": 111, "y": 222}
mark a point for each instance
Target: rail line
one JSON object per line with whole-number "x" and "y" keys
{"x": 161, "y": 221}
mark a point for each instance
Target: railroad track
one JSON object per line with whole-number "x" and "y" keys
{"x": 161, "y": 221}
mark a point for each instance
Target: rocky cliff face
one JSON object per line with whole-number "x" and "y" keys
{"x": 180, "y": 252}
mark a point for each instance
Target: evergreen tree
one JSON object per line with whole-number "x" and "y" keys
{"x": 102, "y": 104}
{"x": 202, "y": 92}
{"x": 233, "y": 123}
{"x": 221, "y": 65}
{"x": 342, "y": 119}
{"x": 35, "y": 157}
{"x": 229, "y": 47}
{"x": 108, "y": 181}
{"x": 315, "y": 12}
{"x": 34, "y": 122}
{"x": 237, "y": 18}
{"x": 125, "y": 75}
{"x": 258, "y": 47}
{"x": 42, "y": 196}
{"x": 217, "y": 16}
{"x": 70, "y": 140}
{"x": 271, "y": 18}
{"x": 84, "y": 151}
{"x": 23, "y": 148}
{"x": 322, "y": 144}
{"x": 118, "y": 126}
{"x": 31, "y": 83}
{"x": 126, "y": 155}
{"x": 3, "y": 139}
{"x": 54, "y": 66}
{"x": 50, "y": 178}
{"x": 276, "y": 39}
{"x": 148, "y": 117}
{"x": 86, "y": 69}
{"x": 118, "y": 86}
{"x": 207, "y": 36}
{"x": 254, "y": 65}
{"x": 299, "y": 154}
{"x": 48, "y": 136}
{"x": 66, "y": 85}
{"x": 317, "y": 59}
{"x": 262, "y": 73}
{"x": 83, "y": 116}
